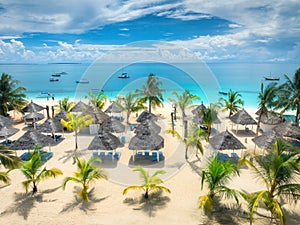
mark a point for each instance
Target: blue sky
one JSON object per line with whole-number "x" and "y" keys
{"x": 84, "y": 30}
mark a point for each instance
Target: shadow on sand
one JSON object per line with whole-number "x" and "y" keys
{"x": 149, "y": 206}
{"x": 25, "y": 202}
{"x": 81, "y": 204}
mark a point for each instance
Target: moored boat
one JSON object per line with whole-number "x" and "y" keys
{"x": 53, "y": 79}
{"x": 271, "y": 78}
{"x": 56, "y": 75}
{"x": 82, "y": 81}
{"x": 123, "y": 75}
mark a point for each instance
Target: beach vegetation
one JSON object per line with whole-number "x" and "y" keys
{"x": 86, "y": 174}
{"x": 233, "y": 103}
{"x": 150, "y": 183}
{"x": 97, "y": 99}
{"x": 12, "y": 96}
{"x": 184, "y": 101}
{"x": 130, "y": 103}
{"x": 8, "y": 160}
{"x": 75, "y": 123}
{"x": 208, "y": 116}
{"x": 216, "y": 175}
{"x": 289, "y": 94}
{"x": 151, "y": 92}
{"x": 279, "y": 171}
{"x": 65, "y": 104}
{"x": 33, "y": 172}
{"x": 266, "y": 100}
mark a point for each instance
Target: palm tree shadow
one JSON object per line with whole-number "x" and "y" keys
{"x": 25, "y": 202}
{"x": 81, "y": 204}
{"x": 150, "y": 206}
{"x": 195, "y": 167}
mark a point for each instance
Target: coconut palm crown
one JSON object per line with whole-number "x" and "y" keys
{"x": 233, "y": 102}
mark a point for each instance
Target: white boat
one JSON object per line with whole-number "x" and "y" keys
{"x": 56, "y": 75}
{"x": 271, "y": 78}
{"x": 44, "y": 94}
{"x": 53, "y": 79}
{"x": 82, "y": 81}
{"x": 123, "y": 75}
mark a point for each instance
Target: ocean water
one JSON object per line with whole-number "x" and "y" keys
{"x": 206, "y": 80}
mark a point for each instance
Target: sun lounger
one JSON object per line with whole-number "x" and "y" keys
{"x": 102, "y": 155}
{"x": 147, "y": 154}
{"x": 139, "y": 155}
{"x": 117, "y": 155}
{"x": 25, "y": 156}
{"x": 160, "y": 156}
{"x": 110, "y": 155}
{"x": 46, "y": 156}
{"x": 154, "y": 156}
{"x": 234, "y": 156}
{"x": 95, "y": 154}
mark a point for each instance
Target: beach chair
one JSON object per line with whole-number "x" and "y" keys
{"x": 147, "y": 154}
{"x": 25, "y": 156}
{"x": 110, "y": 155}
{"x": 117, "y": 155}
{"x": 123, "y": 139}
{"x": 95, "y": 154}
{"x": 160, "y": 156}
{"x": 139, "y": 155}
{"x": 154, "y": 156}
{"x": 102, "y": 155}
{"x": 234, "y": 156}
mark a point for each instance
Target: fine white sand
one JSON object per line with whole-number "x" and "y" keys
{"x": 53, "y": 205}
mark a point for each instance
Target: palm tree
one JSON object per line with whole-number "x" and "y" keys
{"x": 267, "y": 99}
{"x": 11, "y": 96}
{"x": 233, "y": 102}
{"x": 65, "y": 104}
{"x": 76, "y": 123}
{"x": 278, "y": 170}
{"x": 194, "y": 139}
{"x": 97, "y": 99}
{"x": 209, "y": 116}
{"x": 33, "y": 172}
{"x": 9, "y": 160}
{"x": 216, "y": 175}
{"x": 151, "y": 183}
{"x": 151, "y": 92}
{"x": 183, "y": 100}
{"x": 289, "y": 94}
{"x": 130, "y": 103}
{"x": 87, "y": 173}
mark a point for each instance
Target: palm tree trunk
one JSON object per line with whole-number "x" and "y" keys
{"x": 297, "y": 114}
{"x": 149, "y": 106}
{"x": 146, "y": 195}
{"x": 34, "y": 189}
{"x": 186, "y": 152}
{"x": 258, "y": 123}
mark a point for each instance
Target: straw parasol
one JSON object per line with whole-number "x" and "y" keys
{"x": 288, "y": 129}
{"x": 113, "y": 108}
{"x": 226, "y": 141}
{"x": 266, "y": 139}
{"x": 51, "y": 126}
{"x": 270, "y": 118}
{"x": 61, "y": 115}
{"x": 5, "y": 121}
{"x": 8, "y": 131}
{"x": 30, "y": 139}
{"x": 35, "y": 116}
{"x": 33, "y": 107}
{"x": 242, "y": 117}
{"x": 105, "y": 141}
{"x": 146, "y": 115}
{"x": 198, "y": 109}
{"x": 80, "y": 107}
{"x": 148, "y": 124}
{"x": 113, "y": 125}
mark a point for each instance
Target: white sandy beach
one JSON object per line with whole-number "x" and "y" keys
{"x": 52, "y": 205}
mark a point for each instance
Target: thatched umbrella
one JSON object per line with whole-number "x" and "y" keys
{"x": 266, "y": 139}
{"x": 33, "y": 107}
{"x": 143, "y": 141}
{"x": 225, "y": 141}
{"x": 30, "y": 139}
{"x": 270, "y": 118}
{"x": 34, "y": 116}
{"x": 51, "y": 126}
{"x": 98, "y": 115}
{"x": 146, "y": 115}
{"x": 114, "y": 108}
{"x": 242, "y": 117}
{"x": 80, "y": 107}
{"x": 148, "y": 124}
{"x": 113, "y": 125}
{"x": 8, "y": 131}
{"x": 288, "y": 129}
{"x": 105, "y": 141}
{"x": 61, "y": 115}
{"x": 198, "y": 109}
{"x": 5, "y": 121}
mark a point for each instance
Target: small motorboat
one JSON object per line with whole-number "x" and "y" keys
{"x": 223, "y": 93}
{"x": 56, "y": 75}
{"x": 123, "y": 75}
{"x": 53, "y": 79}
{"x": 82, "y": 81}
{"x": 272, "y": 78}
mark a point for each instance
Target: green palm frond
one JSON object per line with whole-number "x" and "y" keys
{"x": 207, "y": 203}
{"x": 4, "y": 177}
{"x": 8, "y": 158}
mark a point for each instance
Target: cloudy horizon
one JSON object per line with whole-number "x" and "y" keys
{"x": 215, "y": 31}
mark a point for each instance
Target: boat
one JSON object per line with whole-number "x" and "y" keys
{"x": 53, "y": 79}
{"x": 223, "y": 93}
{"x": 56, "y": 75}
{"x": 82, "y": 81}
{"x": 123, "y": 75}
{"x": 63, "y": 73}
{"x": 44, "y": 94}
{"x": 271, "y": 78}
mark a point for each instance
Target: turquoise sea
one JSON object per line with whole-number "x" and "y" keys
{"x": 205, "y": 80}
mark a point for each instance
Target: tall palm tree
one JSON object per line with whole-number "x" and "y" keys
{"x": 194, "y": 139}
{"x": 87, "y": 174}
{"x": 233, "y": 103}
{"x": 216, "y": 175}
{"x": 130, "y": 103}
{"x": 183, "y": 100}
{"x": 267, "y": 99}
{"x": 12, "y": 97}
{"x": 9, "y": 160}
{"x": 279, "y": 170}
{"x": 289, "y": 94}
{"x": 65, "y": 104}
{"x": 151, "y": 92}
{"x": 76, "y": 123}
{"x": 97, "y": 99}
{"x": 208, "y": 116}
{"x": 33, "y": 172}
{"x": 151, "y": 183}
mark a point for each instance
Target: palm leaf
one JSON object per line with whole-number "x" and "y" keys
{"x": 206, "y": 202}
{"x": 133, "y": 187}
